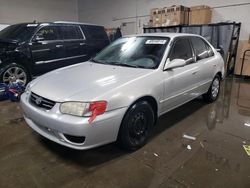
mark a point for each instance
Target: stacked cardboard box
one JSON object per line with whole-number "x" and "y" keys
{"x": 201, "y": 14}
{"x": 242, "y": 47}
{"x": 168, "y": 16}
{"x": 175, "y": 15}
{"x": 180, "y": 15}
{"x": 155, "y": 17}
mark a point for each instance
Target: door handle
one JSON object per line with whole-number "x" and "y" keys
{"x": 59, "y": 46}
{"x": 82, "y": 43}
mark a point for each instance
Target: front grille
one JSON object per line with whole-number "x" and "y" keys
{"x": 41, "y": 102}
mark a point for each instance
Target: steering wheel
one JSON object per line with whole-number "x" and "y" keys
{"x": 153, "y": 57}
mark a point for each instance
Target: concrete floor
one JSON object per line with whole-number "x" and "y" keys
{"x": 216, "y": 158}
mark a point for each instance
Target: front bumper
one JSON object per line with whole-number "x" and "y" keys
{"x": 54, "y": 125}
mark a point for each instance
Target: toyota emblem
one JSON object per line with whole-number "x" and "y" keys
{"x": 38, "y": 100}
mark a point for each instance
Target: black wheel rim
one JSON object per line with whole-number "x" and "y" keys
{"x": 138, "y": 128}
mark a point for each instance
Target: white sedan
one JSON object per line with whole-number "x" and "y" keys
{"x": 119, "y": 94}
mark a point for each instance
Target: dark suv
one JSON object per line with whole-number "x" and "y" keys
{"x": 31, "y": 49}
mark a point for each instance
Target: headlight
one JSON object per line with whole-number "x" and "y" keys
{"x": 82, "y": 109}
{"x": 27, "y": 89}
{"x": 74, "y": 108}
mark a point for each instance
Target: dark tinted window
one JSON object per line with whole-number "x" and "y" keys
{"x": 200, "y": 48}
{"x": 181, "y": 50}
{"x": 48, "y": 33}
{"x": 95, "y": 32}
{"x": 20, "y": 32}
{"x": 71, "y": 32}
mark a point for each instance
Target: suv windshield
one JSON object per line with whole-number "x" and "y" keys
{"x": 138, "y": 52}
{"x": 18, "y": 32}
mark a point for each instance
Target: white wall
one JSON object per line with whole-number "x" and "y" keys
{"x": 104, "y": 12}
{"x": 14, "y": 11}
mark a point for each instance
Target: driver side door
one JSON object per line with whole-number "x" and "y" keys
{"x": 179, "y": 82}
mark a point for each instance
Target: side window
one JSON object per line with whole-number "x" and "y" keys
{"x": 96, "y": 32}
{"x": 71, "y": 32}
{"x": 47, "y": 33}
{"x": 200, "y": 48}
{"x": 181, "y": 50}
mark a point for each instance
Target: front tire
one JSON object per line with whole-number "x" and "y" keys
{"x": 214, "y": 90}
{"x": 136, "y": 126}
{"x": 12, "y": 72}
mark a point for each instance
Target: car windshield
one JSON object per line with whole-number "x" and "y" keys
{"x": 18, "y": 32}
{"x": 137, "y": 52}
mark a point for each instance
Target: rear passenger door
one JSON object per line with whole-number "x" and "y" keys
{"x": 204, "y": 58}
{"x": 74, "y": 44}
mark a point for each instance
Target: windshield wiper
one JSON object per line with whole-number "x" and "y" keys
{"x": 123, "y": 64}
{"x": 96, "y": 61}
{"x": 116, "y": 63}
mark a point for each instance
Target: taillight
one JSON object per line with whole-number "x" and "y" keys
{"x": 96, "y": 108}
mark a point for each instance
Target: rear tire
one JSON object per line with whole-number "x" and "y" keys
{"x": 14, "y": 71}
{"x": 136, "y": 126}
{"x": 214, "y": 90}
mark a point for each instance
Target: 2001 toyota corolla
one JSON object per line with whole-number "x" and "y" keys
{"x": 120, "y": 93}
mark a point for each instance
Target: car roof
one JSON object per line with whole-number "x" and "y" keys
{"x": 170, "y": 35}
{"x": 77, "y": 23}
{"x": 57, "y": 22}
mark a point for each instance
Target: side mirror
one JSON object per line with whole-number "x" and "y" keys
{"x": 218, "y": 50}
{"x": 175, "y": 63}
{"x": 38, "y": 38}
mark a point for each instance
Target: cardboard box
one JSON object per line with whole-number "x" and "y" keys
{"x": 175, "y": 15}
{"x": 155, "y": 17}
{"x": 243, "y": 45}
{"x": 201, "y": 14}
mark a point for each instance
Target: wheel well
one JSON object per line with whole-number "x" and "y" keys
{"x": 151, "y": 100}
{"x": 7, "y": 65}
{"x": 14, "y": 63}
{"x": 219, "y": 74}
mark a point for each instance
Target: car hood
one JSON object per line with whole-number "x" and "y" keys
{"x": 84, "y": 82}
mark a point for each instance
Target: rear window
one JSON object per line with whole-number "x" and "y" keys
{"x": 95, "y": 32}
{"x": 71, "y": 32}
{"x": 210, "y": 51}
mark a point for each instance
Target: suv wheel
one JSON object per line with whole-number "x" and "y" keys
{"x": 13, "y": 72}
{"x": 136, "y": 126}
{"x": 214, "y": 90}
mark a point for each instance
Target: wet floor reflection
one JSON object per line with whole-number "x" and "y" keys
{"x": 234, "y": 94}
{"x": 219, "y": 110}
